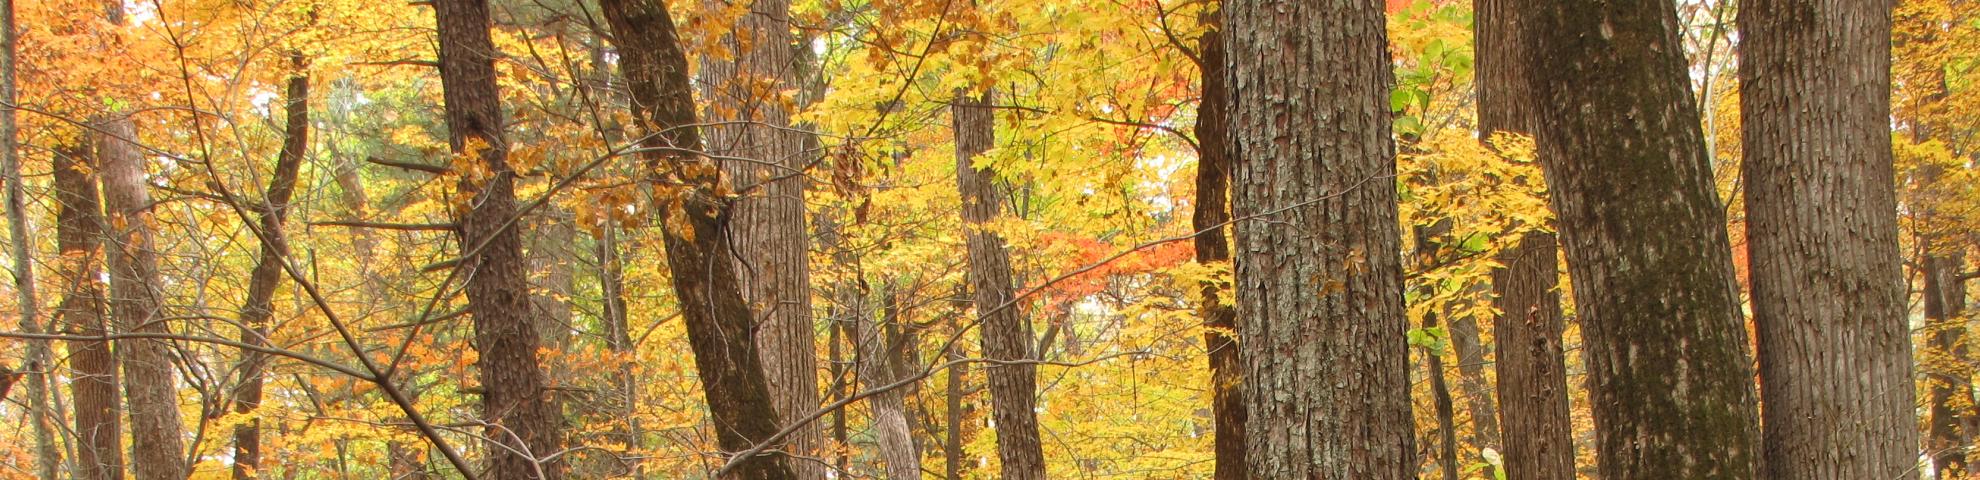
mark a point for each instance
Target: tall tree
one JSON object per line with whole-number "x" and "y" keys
{"x": 1006, "y": 334}
{"x": 1670, "y": 380}
{"x": 694, "y": 217}
{"x": 524, "y": 424}
{"x": 267, "y": 271}
{"x": 1532, "y": 389}
{"x": 1213, "y": 187}
{"x": 136, "y": 296}
{"x": 47, "y": 457}
{"x": 751, "y": 126}
{"x": 1319, "y": 273}
{"x": 92, "y": 367}
{"x": 1815, "y": 110}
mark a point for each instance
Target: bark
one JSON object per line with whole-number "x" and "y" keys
{"x": 1319, "y": 277}
{"x": 47, "y": 458}
{"x": 1440, "y": 392}
{"x": 267, "y": 273}
{"x": 719, "y": 322}
{"x": 1532, "y": 371}
{"x": 157, "y": 450}
{"x": 92, "y": 367}
{"x": 1828, "y": 291}
{"x": 553, "y": 274}
{"x": 1006, "y": 335}
{"x": 1213, "y": 187}
{"x": 523, "y": 422}
{"x": 1670, "y": 380}
{"x": 751, "y": 123}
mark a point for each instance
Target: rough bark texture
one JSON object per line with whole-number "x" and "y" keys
{"x": 750, "y": 121}
{"x": 524, "y": 423}
{"x": 152, "y": 396}
{"x": 719, "y": 323}
{"x": 1532, "y": 371}
{"x": 1828, "y": 294}
{"x": 267, "y": 274}
{"x": 1005, "y": 332}
{"x": 92, "y": 367}
{"x": 1213, "y": 187}
{"x": 1670, "y": 380}
{"x": 1319, "y": 277}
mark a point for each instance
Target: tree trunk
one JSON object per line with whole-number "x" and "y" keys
{"x": 268, "y": 272}
{"x": 879, "y": 365}
{"x": 1532, "y": 372}
{"x": 694, "y": 215}
{"x": 1440, "y": 393}
{"x": 1471, "y": 361}
{"x": 618, "y": 339}
{"x": 47, "y": 458}
{"x": 751, "y": 123}
{"x": 157, "y": 450}
{"x": 1006, "y": 333}
{"x": 524, "y": 423}
{"x": 1828, "y": 291}
{"x": 1532, "y": 390}
{"x": 957, "y": 411}
{"x": 1213, "y": 186}
{"x": 92, "y": 367}
{"x": 1945, "y": 297}
{"x": 1670, "y": 380}
{"x": 1319, "y": 277}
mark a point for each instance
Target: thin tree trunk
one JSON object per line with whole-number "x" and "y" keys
{"x": 1477, "y": 392}
{"x": 957, "y": 411}
{"x": 157, "y": 448}
{"x": 752, "y": 123}
{"x": 878, "y": 366}
{"x": 1213, "y": 186}
{"x": 523, "y": 422}
{"x": 618, "y": 339}
{"x": 1670, "y": 380}
{"x": 268, "y": 272}
{"x": 92, "y": 366}
{"x": 1949, "y": 434}
{"x": 1828, "y": 292}
{"x": 47, "y": 457}
{"x": 1440, "y": 392}
{"x": 694, "y": 221}
{"x": 1532, "y": 370}
{"x": 1319, "y": 277}
{"x": 1006, "y": 333}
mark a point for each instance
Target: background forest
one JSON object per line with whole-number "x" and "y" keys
{"x": 810, "y": 239}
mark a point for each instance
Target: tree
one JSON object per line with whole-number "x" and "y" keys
{"x": 751, "y": 125}
{"x": 1532, "y": 388}
{"x": 523, "y": 424}
{"x": 694, "y": 214}
{"x": 1213, "y": 186}
{"x": 93, "y": 392}
{"x": 267, "y": 272}
{"x": 1827, "y": 284}
{"x": 1319, "y": 273}
{"x": 1670, "y": 381}
{"x": 1006, "y": 334}
{"x": 149, "y": 369}
{"x": 46, "y": 456}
